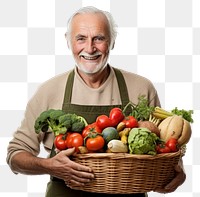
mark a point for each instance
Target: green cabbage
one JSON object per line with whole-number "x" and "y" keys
{"x": 142, "y": 141}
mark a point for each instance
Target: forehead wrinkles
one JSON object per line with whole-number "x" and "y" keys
{"x": 96, "y": 23}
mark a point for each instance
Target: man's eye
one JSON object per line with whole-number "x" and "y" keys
{"x": 80, "y": 39}
{"x": 99, "y": 38}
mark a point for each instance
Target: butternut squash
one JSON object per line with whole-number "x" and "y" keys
{"x": 176, "y": 127}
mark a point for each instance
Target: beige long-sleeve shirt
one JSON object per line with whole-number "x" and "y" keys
{"x": 50, "y": 95}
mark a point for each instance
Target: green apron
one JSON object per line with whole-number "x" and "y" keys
{"x": 57, "y": 187}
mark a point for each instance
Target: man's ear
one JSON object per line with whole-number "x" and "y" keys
{"x": 68, "y": 44}
{"x": 66, "y": 37}
{"x": 113, "y": 45}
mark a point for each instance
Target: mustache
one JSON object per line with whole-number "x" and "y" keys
{"x": 90, "y": 55}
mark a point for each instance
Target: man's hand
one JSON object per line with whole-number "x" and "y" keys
{"x": 71, "y": 172}
{"x": 176, "y": 182}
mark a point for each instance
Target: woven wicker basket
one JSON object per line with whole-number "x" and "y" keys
{"x": 128, "y": 173}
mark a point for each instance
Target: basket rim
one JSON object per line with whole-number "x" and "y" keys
{"x": 126, "y": 155}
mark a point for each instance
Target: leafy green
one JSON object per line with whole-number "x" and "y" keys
{"x": 142, "y": 141}
{"x": 187, "y": 115}
{"x": 142, "y": 110}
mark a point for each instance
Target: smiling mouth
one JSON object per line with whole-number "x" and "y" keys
{"x": 90, "y": 57}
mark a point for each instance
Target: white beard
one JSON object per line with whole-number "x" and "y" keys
{"x": 92, "y": 68}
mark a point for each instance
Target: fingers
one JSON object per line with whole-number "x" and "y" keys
{"x": 71, "y": 172}
{"x": 175, "y": 183}
{"x": 80, "y": 174}
{"x": 165, "y": 190}
{"x": 178, "y": 180}
{"x": 74, "y": 173}
{"x": 78, "y": 178}
{"x": 68, "y": 152}
{"x": 177, "y": 168}
{"x": 81, "y": 168}
{"x": 78, "y": 167}
{"x": 77, "y": 181}
{"x": 72, "y": 183}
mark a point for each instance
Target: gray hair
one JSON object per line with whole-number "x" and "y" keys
{"x": 91, "y": 9}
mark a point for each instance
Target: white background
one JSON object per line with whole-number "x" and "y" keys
{"x": 159, "y": 39}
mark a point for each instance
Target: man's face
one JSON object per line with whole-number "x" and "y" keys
{"x": 90, "y": 40}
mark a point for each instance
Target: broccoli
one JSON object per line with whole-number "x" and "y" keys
{"x": 41, "y": 123}
{"x": 78, "y": 126}
{"x": 66, "y": 120}
{"x": 72, "y": 122}
{"x": 55, "y": 114}
{"x": 59, "y": 122}
{"x": 78, "y": 123}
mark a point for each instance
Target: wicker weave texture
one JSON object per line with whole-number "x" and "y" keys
{"x": 126, "y": 173}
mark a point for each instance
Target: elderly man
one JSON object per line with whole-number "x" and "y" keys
{"x": 92, "y": 88}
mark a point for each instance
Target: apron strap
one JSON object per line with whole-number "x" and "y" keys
{"x": 120, "y": 80}
{"x": 69, "y": 87}
{"x": 122, "y": 87}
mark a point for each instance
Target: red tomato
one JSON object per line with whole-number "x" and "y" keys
{"x": 91, "y": 128}
{"x": 130, "y": 122}
{"x": 74, "y": 140}
{"x": 116, "y": 116}
{"x": 172, "y": 143}
{"x": 94, "y": 142}
{"x": 162, "y": 148}
{"x": 103, "y": 121}
{"x": 60, "y": 142}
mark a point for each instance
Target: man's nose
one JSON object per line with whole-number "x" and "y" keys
{"x": 90, "y": 47}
